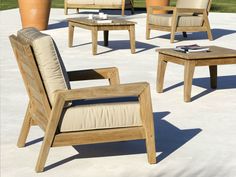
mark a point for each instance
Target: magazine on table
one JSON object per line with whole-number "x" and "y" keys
{"x": 104, "y": 21}
{"x": 191, "y": 48}
{"x": 101, "y": 18}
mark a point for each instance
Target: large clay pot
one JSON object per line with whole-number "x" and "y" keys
{"x": 35, "y": 13}
{"x": 157, "y": 3}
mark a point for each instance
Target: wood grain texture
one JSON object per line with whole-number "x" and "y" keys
{"x": 99, "y": 136}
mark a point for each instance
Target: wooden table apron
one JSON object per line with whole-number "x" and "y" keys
{"x": 106, "y": 28}
{"x": 189, "y": 67}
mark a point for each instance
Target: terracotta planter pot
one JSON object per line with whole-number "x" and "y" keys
{"x": 157, "y": 3}
{"x": 35, "y": 13}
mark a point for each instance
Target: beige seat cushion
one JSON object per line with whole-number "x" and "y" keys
{"x": 108, "y": 2}
{"x": 101, "y": 116}
{"x": 200, "y": 4}
{"x": 50, "y": 64}
{"x": 166, "y": 19}
{"x": 90, "y": 2}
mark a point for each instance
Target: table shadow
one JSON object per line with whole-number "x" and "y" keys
{"x": 223, "y": 82}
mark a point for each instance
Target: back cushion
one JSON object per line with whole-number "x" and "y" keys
{"x": 90, "y": 2}
{"x": 108, "y": 2}
{"x": 200, "y": 4}
{"x": 50, "y": 64}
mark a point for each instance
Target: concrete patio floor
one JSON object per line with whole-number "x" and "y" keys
{"x": 196, "y": 139}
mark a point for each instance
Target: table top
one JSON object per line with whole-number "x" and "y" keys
{"x": 93, "y": 22}
{"x": 214, "y": 52}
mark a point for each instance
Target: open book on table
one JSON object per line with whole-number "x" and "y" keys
{"x": 191, "y": 48}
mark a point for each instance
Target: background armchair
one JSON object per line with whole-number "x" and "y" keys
{"x": 78, "y": 116}
{"x": 187, "y": 16}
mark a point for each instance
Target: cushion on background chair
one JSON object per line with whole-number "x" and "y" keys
{"x": 97, "y": 2}
{"x": 166, "y": 19}
{"x": 80, "y": 1}
{"x": 200, "y": 4}
{"x": 48, "y": 59}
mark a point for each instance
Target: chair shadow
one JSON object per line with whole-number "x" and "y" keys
{"x": 125, "y": 44}
{"x": 59, "y": 24}
{"x": 216, "y": 33}
{"x": 223, "y": 82}
{"x": 34, "y": 141}
{"x": 168, "y": 139}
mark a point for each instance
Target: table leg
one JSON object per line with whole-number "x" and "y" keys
{"x": 94, "y": 40}
{"x": 106, "y": 36}
{"x": 189, "y": 67}
{"x": 132, "y": 38}
{"x": 71, "y": 34}
{"x": 213, "y": 75}
{"x": 161, "y": 68}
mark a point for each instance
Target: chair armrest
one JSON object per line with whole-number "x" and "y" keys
{"x": 112, "y": 74}
{"x": 141, "y": 90}
{"x": 190, "y": 10}
{"x": 168, "y": 8}
{"x": 122, "y": 90}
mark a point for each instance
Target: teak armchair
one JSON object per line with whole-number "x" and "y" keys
{"x": 52, "y": 106}
{"x": 187, "y": 16}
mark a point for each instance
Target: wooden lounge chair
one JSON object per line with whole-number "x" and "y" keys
{"x": 187, "y": 16}
{"x": 53, "y": 108}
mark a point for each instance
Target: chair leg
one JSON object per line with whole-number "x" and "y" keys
{"x": 147, "y": 118}
{"x": 77, "y": 10}
{"x": 132, "y": 10}
{"x": 25, "y": 128}
{"x": 44, "y": 151}
{"x": 47, "y": 142}
{"x": 65, "y": 11}
{"x": 172, "y": 37}
{"x": 207, "y": 25}
{"x": 209, "y": 34}
{"x": 49, "y": 134}
{"x": 185, "y": 34}
{"x": 123, "y": 8}
{"x": 132, "y": 7}
{"x": 148, "y": 30}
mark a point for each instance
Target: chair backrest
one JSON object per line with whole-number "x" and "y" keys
{"x": 42, "y": 70}
{"x": 200, "y": 4}
{"x": 39, "y": 104}
{"x": 48, "y": 59}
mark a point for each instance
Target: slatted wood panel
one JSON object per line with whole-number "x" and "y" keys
{"x": 40, "y": 108}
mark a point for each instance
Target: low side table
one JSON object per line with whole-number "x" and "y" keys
{"x": 94, "y": 27}
{"x": 216, "y": 56}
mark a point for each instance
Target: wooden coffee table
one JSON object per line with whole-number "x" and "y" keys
{"x": 216, "y": 56}
{"x": 94, "y": 27}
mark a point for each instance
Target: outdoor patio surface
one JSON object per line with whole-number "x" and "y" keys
{"x": 196, "y": 139}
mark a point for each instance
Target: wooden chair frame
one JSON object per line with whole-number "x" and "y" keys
{"x": 174, "y": 23}
{"x": 47, "y": 117}
{"x": 94, "y": 6}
